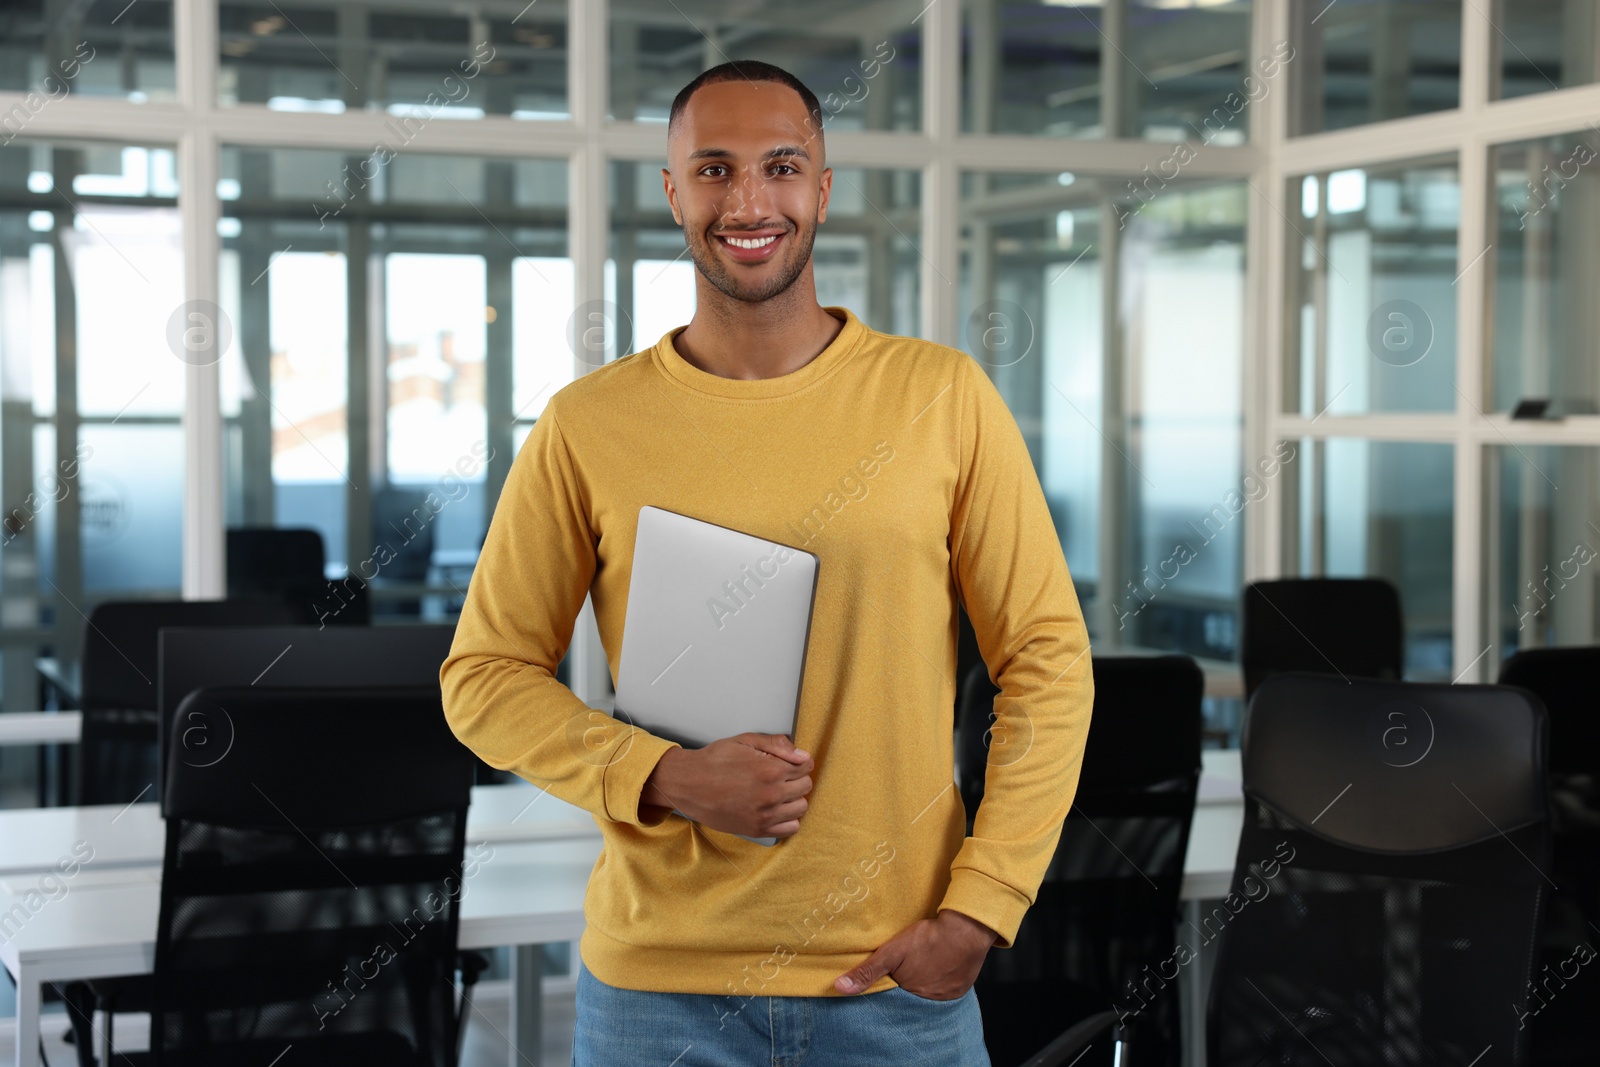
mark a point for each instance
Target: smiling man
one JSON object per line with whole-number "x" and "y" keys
{"x": 856, "y": 939}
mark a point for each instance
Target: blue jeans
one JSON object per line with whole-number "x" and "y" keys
{"x": 629, "y": 1028}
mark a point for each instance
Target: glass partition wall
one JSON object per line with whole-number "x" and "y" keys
{"x": 1436, "y": 371}
{"x": 1271, "y": 289}
{"x": 384, "y": 356}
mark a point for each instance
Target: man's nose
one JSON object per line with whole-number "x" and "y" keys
{"x": 749, "y": 200}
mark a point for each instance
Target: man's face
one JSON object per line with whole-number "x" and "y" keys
{"x": 745, "y": 168}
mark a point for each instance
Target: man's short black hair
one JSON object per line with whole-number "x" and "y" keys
{"x": 750, "y": 70}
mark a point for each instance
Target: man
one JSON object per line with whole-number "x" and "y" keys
{"x": 856, "y": 939}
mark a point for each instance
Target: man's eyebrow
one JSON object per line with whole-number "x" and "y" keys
{"x": 788, "y": 150}
{"x": 780, "y": 152}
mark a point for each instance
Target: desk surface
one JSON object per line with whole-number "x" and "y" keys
{"x": 40, "y": 727}
{"x": 106, "y": 925}
{"x": 524, "y": 893}
{"x": 102, "y": 922}
{"x": 35, "y": 839}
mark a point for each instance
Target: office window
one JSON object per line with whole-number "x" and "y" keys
{"x": 1136, "y": 429}
{"x": 91, "y": 475}
{"x": 1149, "y": 69}
{"x": 1371, "y": 60}
{"x": 1031, "y": 308}
{"x": 391, "y": 335}
{"x": 1545, "y": 318}
{"x": 415, "y": 62}
{"x": 865, "y": 257}
{"x": 1545, "y": 45}
{"x": 1380, "y": 509}
{"x": 131, "y": 513}
{"x": 50, "y": 50}
{"x": 864, "y": 65}
{"x": 1373, "y": 293}
{"x": 649, "y": 277}
{"x": 1543, "y": 554}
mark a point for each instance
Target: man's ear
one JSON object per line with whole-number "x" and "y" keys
{"x": 672, "y": 195}
{"x": 822, "y": 198}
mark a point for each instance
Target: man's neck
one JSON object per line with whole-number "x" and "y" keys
{"x": 734, "y": 339}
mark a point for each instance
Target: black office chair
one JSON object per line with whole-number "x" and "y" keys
{"x": 115, "y": 759}
{"x": 298, "y": 657}
{"x": 308, "y": 899}
{"x": 1389, "y": 879}
{"x": 272, "y": 560}
{"x": 402, "y": 520}
{"x": 1109, "y": 901}
{"x": 1566, "y": 1030}
{"x": 288, "y": 565}
{"x": 1347, "y": 626}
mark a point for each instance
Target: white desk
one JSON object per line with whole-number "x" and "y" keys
{"x": 89, "y": 932}
{"x": 529, "y": 893}
{"x": 34, "y": 839}
{"x": 525, "y": 894}
{"x": 40, "y": 727}
{"x": 1214, "y": 833}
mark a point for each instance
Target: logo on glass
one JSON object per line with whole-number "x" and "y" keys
{"x": 1399, "y": 333}
{"x": 999, "y": 332}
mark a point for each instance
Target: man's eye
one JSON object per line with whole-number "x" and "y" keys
{"x": 785, "y": 167}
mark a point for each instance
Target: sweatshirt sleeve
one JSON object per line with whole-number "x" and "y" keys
{"x": 1012, "y": 578}
{"x": 501, "y": 697}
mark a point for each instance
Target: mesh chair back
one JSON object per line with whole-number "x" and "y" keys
{"x": 1389, "y": 877}
{"x": 115, "y": 760}
{"x": 1566, "y": 1030}
{"x": 1347, "y": 626}
{"x": 312, "y": 879}
{"x": 1109, "y": 901}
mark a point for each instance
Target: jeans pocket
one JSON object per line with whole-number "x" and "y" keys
{"x": 920, "y": 999}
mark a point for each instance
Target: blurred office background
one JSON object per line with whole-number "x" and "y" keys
{"x": 1272, "y": 288}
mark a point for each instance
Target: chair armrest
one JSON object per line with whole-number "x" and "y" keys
{"x": 1065, "y": 1049}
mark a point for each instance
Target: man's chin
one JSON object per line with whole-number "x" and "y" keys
{"x": 758, "y": 296}
{"x": 751, "y": 294}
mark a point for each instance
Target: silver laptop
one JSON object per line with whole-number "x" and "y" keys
{"x": 714, "y": 642}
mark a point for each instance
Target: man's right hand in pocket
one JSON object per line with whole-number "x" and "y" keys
{"x": 750, "y": 784}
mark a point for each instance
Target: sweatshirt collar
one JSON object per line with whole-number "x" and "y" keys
{"x": 826, "y": 362}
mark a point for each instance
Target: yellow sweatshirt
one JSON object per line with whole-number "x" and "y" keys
{"x": 898, "y": 464}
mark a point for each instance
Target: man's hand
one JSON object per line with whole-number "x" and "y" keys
{"x": 936, "y": 958}
{"x": 750, "y": 784}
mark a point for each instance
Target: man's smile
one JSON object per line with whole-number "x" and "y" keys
{"x": 750, "y": 248}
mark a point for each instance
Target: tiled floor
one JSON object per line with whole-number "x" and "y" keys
{"x": 486, "y": 1029}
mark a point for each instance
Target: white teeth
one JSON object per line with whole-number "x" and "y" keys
{"x": 758, "y": 242}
